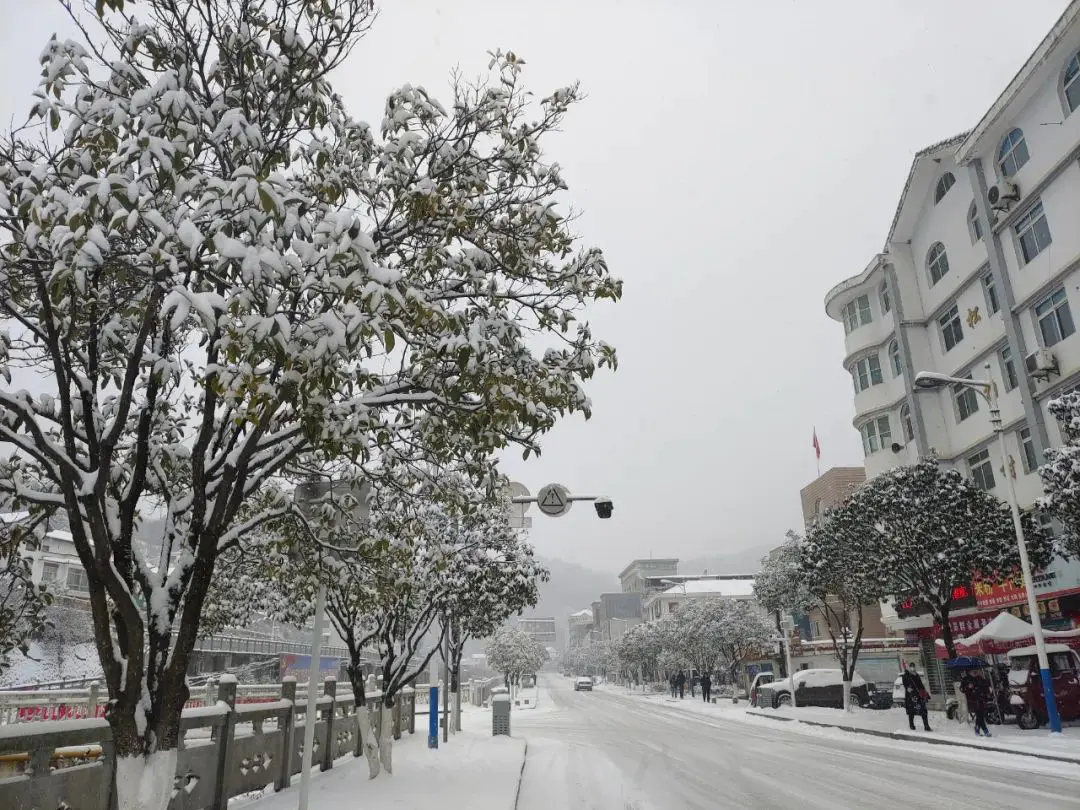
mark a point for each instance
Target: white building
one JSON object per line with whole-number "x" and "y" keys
{"x": 981, "y": 265}
{"x": 659, "y": 604}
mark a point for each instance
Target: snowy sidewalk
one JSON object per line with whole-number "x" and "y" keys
{"x": 1007, "y": 739}
{"x": 473, "y": 770}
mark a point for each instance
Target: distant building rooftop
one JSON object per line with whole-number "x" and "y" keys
{"x": 713, "y": 587}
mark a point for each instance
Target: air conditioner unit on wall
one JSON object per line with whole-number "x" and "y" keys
{"x": 1041, "y": 363}
{"x": 1002, "y": 196}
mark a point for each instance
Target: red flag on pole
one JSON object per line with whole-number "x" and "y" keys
{"x": 816, "y": 445}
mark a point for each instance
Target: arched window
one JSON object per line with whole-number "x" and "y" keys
{"x": 1013, "y": 153}
{"x": 937, "y": 263}
{"x": 974, "y": 226}
{"x": 883, "y": 296}
{"x": 905, "y": 420}
{"x": 894, "y": 359}
{"x": 1071, "y": 83}
{"x": 946, "y": 182}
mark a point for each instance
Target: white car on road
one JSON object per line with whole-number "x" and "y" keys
{"x": 583, "y": 684}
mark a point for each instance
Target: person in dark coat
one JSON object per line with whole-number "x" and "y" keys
{"x": 977, "y": 691}
{"x": 680, "y": 684}
{"x": 706, "y": 687}
{"x": 915, "y": 697}
{"x": 674, "y": 684}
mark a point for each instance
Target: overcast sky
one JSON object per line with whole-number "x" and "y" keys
{"x": 734, "y": 160}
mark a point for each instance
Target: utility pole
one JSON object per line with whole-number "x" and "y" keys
{"x": 446, "y": 679}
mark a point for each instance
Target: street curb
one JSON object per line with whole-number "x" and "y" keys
{"x": 521, "y": 774}
{"x": 895, "y": 735}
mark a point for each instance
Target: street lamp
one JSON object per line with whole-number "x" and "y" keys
{"x": 929, "y": 380}
{"x": 786, "y": 626}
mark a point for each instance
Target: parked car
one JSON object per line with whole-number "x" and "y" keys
{"x": 1027, "y": 700}
{"x": 816, "y": 687}
{"x": 760, "y": 680}
{"x": 583, "y": 685}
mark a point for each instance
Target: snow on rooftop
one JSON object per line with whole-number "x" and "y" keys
{"x": 713, "y": 587}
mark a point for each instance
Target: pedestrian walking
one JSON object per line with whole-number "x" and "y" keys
{"x": 674, "y": 684}
{"x": 680, "y": 683}
{"x": 693, "y": 685}
{"x": 915, "y": 697}
{"x": 706, "y": 687}
{"x": 977, "y": 691}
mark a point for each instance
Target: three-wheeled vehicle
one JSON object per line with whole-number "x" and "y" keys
{"x": 1027, "y": 700}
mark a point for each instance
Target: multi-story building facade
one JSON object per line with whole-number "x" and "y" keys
{"x": 633, "y": 578}
{"x": 981, "y": 266}
{"x": 614, "y": 614}
{"x": 540, "y": 628}
{"x": 829, "y": 490}
{"x": 578, "y": 628}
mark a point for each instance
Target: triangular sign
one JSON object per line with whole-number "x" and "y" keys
{"x": 553, "y": 498}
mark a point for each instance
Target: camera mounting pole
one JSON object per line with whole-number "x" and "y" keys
{"x": 554, "y": 500}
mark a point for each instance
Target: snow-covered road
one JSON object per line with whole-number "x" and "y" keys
{"x": 607, "y": 751}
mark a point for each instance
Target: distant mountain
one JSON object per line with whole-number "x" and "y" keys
{"x": 747, "y": 561}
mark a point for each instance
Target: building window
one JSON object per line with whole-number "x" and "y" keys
{"x": 952, "y": 331}
{"x": 50, "y": 572}
{"x": 946, "y": 182}
{"x": 77, "y": 581}
{"x": 876, "y": 434}
{"x": 1054, "y": 317}
{"x": 1027, "y": 450}
{"x": 857, "y": 314}
{"x": 982, "y": 471}
{"x": 1047, "y": 524}
{"x": 1008, "y": 368}
{"x": 894, "y": 358}
{"x": 1072, "y": 83}
{"x": 1032, "y": 232}
{"x": 905, "y": 421}
{"x": 937, "y": 263}
{"x": 883, "y": 294}
{"x": 867, "y": 372}
{"x": 992, "y": 303}
{"x": 974, "y": 225}
{"x": 967, "y": 400}
{"x": 1013, "y": 153}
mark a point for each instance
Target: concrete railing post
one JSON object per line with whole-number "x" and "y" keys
{"x": 92, "y": 699}
{"x": 226, "y": 694}
{"x": 287, "y": 724}
{"x": 330, "y": 691}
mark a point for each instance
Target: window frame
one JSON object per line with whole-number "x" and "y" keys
{"x": 1009, "y": 378}
{"x": 1027, "y": 224}
{"x": 873, "y": 364}
{"x": 944, "y": 183}
{"x": 884, "y": 299}
{"x": 895, "y": 360}
{"x": 857, "y": 312}
{"x": 953, "y": 321}
{"x": 1009, "y": 149}
{"x": 1054, "y": 312}
{"x": 876, "y": 435}
{"x": 993, "y": 303}
{"x": 907, "y": 427}
{"x": 1070, "y": 83}
{"x": 1030, "y": 460}
{"x": 937, "y": 261}
{"x": 965, "y": 400}
{"x": 982, "y": 469}
{"x": 974, "y": 225}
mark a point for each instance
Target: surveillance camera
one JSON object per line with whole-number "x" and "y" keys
{"x": 603, "y": 508}
{"x": 897, "y": 447}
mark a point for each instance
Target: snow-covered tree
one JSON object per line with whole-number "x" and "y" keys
{"x": 926, "y": 531}
{"x": 229, "y": 280}
{"x": 639, "y": 649}
{"x": 513, "y": 653}
{"x": 24, "y": 606}
{"x": 719, "y": 634}
{"x": 841, "y": 582}
{"x": 780, "y": 586}
{"x": 1061, "y": 473}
